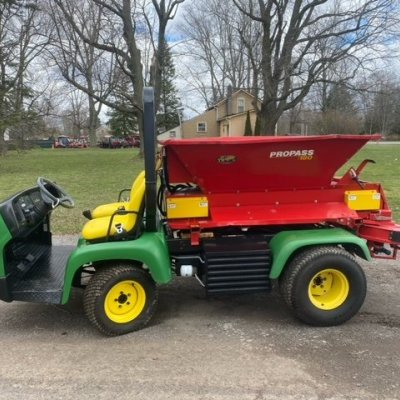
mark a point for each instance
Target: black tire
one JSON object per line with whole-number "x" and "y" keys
{"x": 303, "y": 289}
{"x": 120, "y": 299}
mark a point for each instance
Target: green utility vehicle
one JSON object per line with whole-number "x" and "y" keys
{"x": 236, "y": 213}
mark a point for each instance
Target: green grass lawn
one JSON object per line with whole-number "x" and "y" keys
{"x": 95, "y": 176}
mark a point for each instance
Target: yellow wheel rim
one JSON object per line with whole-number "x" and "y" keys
{"x": 125, "y": 301}
{"x": 328, "y": 289}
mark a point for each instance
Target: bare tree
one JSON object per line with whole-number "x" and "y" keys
{"x": 80, "y": 63}
{"x": 123, "y": 22}
{"x": 20, "y": 44}
{"x": 165, "y": 11}
{"x": 380, "y": 101}
{"x": 217, "y": 46}
{"x": 76, "y": 114}
{"x": 294, "y": 32}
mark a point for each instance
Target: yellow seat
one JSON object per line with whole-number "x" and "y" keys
{"x": 120, "y": 222}
{"x": 106, "y": 210}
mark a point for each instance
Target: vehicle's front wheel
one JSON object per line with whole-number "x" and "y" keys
{"x": 324, "y": 286}
{"x": 120, "y": 299}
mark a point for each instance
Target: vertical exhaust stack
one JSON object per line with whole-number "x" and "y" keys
{"x": 149, "y": 147}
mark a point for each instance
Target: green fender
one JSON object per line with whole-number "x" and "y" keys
{"x": 284, "y": 244}
{"x": 149, "y": 249}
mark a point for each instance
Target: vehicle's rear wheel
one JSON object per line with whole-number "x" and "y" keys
{"x": 324, "y": 286}
{"x": 120, "y": 299}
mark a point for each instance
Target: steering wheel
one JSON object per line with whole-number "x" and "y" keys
{"x": 53, "y": 195}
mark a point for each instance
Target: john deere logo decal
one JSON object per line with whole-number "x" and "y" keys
{"x": 227, "y": 159}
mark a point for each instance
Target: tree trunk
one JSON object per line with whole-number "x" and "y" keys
{"x": 92, "y": 122}
{"x": 134, "y": 64}
{"x": 3, "y": 143}
{"x": 269, "y": 117}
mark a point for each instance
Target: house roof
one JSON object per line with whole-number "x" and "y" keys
{"x": 225, "y": 98}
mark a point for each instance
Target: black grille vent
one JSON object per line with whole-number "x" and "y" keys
{"x": 237, "y": 265}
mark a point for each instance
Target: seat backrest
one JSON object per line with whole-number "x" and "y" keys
{"x": 136, "y": 198}
{"x": 136, "y": 184}
{"x": 99, "y": 229}
{"x": 131, "y": 219}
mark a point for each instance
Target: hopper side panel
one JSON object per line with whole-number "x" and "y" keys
{"x": 262, "y": 165}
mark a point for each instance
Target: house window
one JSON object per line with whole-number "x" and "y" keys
{"x": 201, "y": 127}
{"x": 241, "y": 105}
{"x": 172, "y": 134}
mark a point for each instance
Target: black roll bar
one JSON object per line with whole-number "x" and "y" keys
{"x": 149, "y": 148}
